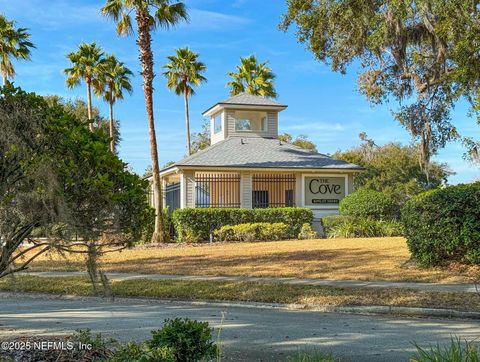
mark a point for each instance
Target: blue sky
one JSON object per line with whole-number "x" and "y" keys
{"x": 323, "y": 105}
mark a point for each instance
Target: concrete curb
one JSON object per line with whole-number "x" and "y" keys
{"x": 362, "y": 310}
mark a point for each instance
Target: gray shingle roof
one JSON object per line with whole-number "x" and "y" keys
{"x": 256, "y": 152}
{"x": 249, "y": 100}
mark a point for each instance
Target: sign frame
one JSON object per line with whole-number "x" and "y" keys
{"x": 327, "y": 207}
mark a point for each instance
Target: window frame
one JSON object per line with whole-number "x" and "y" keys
{"x": 218, "y": 117}
{"x": 263, "y": 121}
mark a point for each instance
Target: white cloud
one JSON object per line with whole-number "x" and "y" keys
{"x": 52, "y": 14}
{"x": 204, "y": 19}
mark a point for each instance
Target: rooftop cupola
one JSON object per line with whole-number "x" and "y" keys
{"x": 244, "y": 115}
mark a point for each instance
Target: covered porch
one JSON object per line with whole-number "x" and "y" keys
{"x": 230, "y": 189}
{"x": 254, "y": 188}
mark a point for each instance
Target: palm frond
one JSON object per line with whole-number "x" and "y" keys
{"x": 169, "y": 15}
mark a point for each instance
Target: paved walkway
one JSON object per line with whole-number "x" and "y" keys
{"x": 466, "y": 288}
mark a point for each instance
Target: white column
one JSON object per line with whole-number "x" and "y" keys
{"x": 298, "y": 190}
{"x": 246, "y": 190}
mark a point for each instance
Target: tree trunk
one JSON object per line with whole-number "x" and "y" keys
{"x": 144, "y": 42}
{"x": 89, "y": 104}
{"x": 112, "y": 133}
{"x": 187, "y": 123}
{"x": 4, "y": 77}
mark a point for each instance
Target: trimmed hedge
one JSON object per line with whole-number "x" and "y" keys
{"x": 194, "y": 224}
{"x": 370, "y": 204}
{"x": 260, "y": 231}
{"x": 338, "y": 226}
{"x": 444, "y": 225}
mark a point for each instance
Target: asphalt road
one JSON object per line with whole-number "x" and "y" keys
{"x": 248, "y": 334}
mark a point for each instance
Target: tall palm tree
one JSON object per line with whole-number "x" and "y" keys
{"x": 183, "y": 73}
{"x": 252, "y": 78}
{"x": 14, "y": 43}
{"x": 86, "y": 65}
{"x": 113, "y": 79}
{"x": 149, "y": 14}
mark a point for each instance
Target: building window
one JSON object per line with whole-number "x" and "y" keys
{"x": 217, "y": 123}
{"x": 264, "y": 124}
{"x": 251, "y": 121}
{"x": 243, "y": 125}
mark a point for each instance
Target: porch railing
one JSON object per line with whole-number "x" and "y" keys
{"x": 273, "y": 190}
{"x": 217, "y": 190}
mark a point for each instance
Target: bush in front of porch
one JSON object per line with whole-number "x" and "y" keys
{"x": 194, "y": 224}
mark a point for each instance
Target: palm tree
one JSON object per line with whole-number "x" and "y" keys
{"x": 113, "y": 79}
{"x": 183, "y": 73}
{"x": 148, "y": 15}
{"x": 14, "y": 43}
{"x": 252, "y": 78}
{"x": 86, "y": 64}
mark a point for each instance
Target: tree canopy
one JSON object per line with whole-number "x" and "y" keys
{"x": 301, "y": 141}
{"x": 183, "y": 73}
{"x": 14, "y": 43}
{"x": 423, "y": 53}
{"x": 201, "y": 140}
{"x": 252, "y": 78}
{"x": 393, "y": 169}
{"x": 78, "y": 108}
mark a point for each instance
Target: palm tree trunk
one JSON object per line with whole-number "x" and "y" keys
{"x": 112, "y": 133}
{"x": 4, "y": 77}
{"x": 144, "y": 42}
{"x": 89, "y": 104}
{"x": 187, "y": 123}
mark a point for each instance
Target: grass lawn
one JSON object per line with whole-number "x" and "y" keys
{"x": 348, "y": 259}
{"x": 248, "y": 291}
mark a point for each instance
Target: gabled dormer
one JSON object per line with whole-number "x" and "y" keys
{"x": 244, "y": 115}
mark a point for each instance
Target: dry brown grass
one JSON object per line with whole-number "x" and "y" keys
{"x": 347, "y": 259}
{"x": 303, "y": 295}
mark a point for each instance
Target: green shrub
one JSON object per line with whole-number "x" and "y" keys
{"x": 369, "y": 204}
{"x": 306, "y": 232}
{"x": 194, "y": 224}
{"x": 188, "y": 339}
{"x": 443, "y": 225}
{"x": 261, "y": 231}
{"x": 457, "y": 351}
{"x": 141, "y": 352}
{"x": 312, "y": 356}
{"x": 338, "y": 226}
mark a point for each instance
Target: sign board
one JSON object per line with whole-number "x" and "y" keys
{"x": 323, "y": 190}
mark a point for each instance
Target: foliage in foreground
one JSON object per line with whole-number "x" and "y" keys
{"x": 338, "y": 226}
{"x": 194, "y": 224}
{"x": 261, "y": 231}
{"x": 443, "y": 225}
{"x": 179, "y": 340}
{"x": 62, "y": 178}
{"x": 315, "y": 356}
{"x": 456, "y": 351}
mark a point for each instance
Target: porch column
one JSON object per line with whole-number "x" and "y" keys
{"x": 298, "y": 189}
{"x": 163, "y": 182}
{"x": 187, "y": 189}
{"x": 246, "y": 190}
